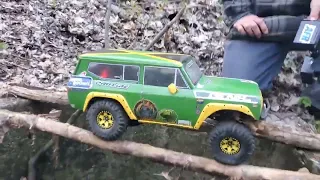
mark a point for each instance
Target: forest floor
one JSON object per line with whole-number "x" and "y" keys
{"x": 40, "y": 42}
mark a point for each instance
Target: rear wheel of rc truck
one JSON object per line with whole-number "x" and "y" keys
{"x": 107, "y": 119}
{"x": 232, "y": 143}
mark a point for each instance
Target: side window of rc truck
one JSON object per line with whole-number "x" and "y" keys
{"x": 180, "y": 81}
{"x": 159, "y": 76}
{"x": 131, "y": 73}
{"x": 109, "y": 71}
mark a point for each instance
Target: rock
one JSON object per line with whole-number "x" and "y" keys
{"x": 304, "y": 170}
{"x": 310, "y": 160}
{"x": 275, "y": 107}
{"x": 293, "y": 100}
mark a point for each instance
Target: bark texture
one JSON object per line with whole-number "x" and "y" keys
{"x": 41, "y": 95}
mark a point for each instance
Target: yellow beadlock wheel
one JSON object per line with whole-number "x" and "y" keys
{"x": 230, "y": 146}
{"x": 231, "y": 142}
{"x": 105, "y": 119}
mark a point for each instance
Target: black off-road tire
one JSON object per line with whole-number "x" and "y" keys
{"x": 235, "y": 130}
{"x": 120, "y": 122}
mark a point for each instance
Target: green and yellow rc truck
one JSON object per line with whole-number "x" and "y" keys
{"x": 120, "y": 88}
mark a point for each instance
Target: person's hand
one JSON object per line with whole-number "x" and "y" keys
{"x": 315, "y": 10}
{"x": 251, "y": 25}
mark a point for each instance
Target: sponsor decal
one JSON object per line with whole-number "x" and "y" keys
{"x": 307, "y": 33}
{"x": 112, "y": 84}
{"x": 145, "y": 110}
{"x": 227, "y": 97}
{"x": 80, "y": 82}
{"x": 84, "y": 73}
{"x": 167, "y": 115}
{"x": 199, "y": 102}
{"x": 203, "y": 94}
{"x": 184, "y": 122}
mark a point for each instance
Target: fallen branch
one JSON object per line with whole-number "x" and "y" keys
{"x": 286, "y": 136}
{"x": 191, "y": 162}
{"x": 174, "y": 20}
{"x": 33, "y": 160}
{"x": 260, "y": 128}
{"x": 5, "y": 62}
{"x": 166, "y": 27}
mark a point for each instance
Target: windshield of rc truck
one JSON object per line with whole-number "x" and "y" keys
{"x": 193, "y": 70}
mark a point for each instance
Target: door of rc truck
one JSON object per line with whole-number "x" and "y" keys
{"x": 159, "y": 105}
{"x": 117, "y": 79}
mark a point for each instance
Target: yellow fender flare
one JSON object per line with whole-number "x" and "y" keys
{"x": 117, "y": 97}
{"x": 214, "y": 107}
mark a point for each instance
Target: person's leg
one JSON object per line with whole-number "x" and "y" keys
{"x": 257, "y": 61}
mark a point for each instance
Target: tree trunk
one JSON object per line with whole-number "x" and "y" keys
{"x": 195, "y": 163}
{"x": 260, "y": 128}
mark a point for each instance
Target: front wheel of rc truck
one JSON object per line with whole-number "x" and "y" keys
{"x": 232, "y": 143}
{"x": 107, "y": 119}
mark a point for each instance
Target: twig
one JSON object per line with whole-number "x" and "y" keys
{"x": 33, "y": 160}
{"x": 175, "y": 19}
{"x": 166, "y": 175}
{"x": 107, "y": 26}
{"x": 55, "y": 155}
{"x": 13, "y": 64}
{"x": 166, "y": 27}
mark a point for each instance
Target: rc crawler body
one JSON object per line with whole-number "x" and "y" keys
{"x": 120, "y": 88}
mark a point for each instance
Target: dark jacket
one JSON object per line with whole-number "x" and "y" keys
{"x": 282, "y": 17}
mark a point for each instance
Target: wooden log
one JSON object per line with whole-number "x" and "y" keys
{"x": 41, "y": 95}
{"x": 307, "y": 140}
{"x": 191, "y": 162}
{"x": 33, "y": 160}
{"x": 263, "y": 129}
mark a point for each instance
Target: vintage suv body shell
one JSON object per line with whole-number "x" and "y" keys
{"x": 188, "y": 108}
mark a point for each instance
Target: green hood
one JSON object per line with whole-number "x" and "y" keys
{"x": 228, "y": 85}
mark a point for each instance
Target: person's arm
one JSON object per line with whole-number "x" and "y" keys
{"x": 280, "y": 29}
{"x": 236, "y": 9}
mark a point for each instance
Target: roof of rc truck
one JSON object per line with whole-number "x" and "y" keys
{"x": 200, "y": 95}
{"x": 136, "y": 57}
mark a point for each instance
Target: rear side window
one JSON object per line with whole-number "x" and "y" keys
{"x": 131, "y": 73}
{"x": 159, "y": 76}
{"x": 115, "y": 71}
{"x": 110, "y": 71}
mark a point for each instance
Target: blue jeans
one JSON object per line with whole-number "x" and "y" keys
{"x": 257, "y": 61}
